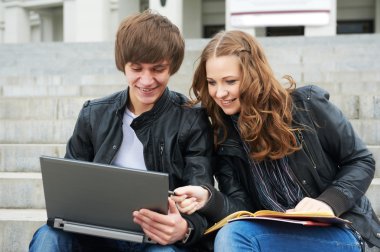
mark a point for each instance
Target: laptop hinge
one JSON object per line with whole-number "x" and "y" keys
{"x": 102, "y": 232}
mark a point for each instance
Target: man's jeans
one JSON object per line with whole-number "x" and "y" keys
{"x": 273, "y": 236}
{"x": 54, "y": 240}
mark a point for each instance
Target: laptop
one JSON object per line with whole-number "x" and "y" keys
{"x": 97, "y": 199}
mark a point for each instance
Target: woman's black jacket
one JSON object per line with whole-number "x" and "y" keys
{"x": 177, "y": 140}
{"x": 333, "y": 166}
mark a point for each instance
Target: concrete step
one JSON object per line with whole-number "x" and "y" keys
{"x": 41, "y": 108}
{"x": 58, "y": 131}
{"x": 25, "y": 157}
{"x": 364, "y": 106}
{"x": 29, "y": 190}
{"x": 373, "y": 194}
{"x": 17, "y": 227}
{"x": 94, "y": 84}
{"x": 113, "y": 78}
{"x": 21, "y": 190}
{"x": 368, "y": 130}
{"x": 317, "y": 60}
{"x": 91, "y": 86}
{"x": 67, "y": 85}
{"x": 38, "y": 132}
{"x": 376, "y": 154}
{"x": 351, "y": 87}
{"x": 53, "y": 57}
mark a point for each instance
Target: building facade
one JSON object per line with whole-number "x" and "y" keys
{"x": 24, "y": 21}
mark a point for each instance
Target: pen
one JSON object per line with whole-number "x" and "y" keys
{"x": 171, "y": 193}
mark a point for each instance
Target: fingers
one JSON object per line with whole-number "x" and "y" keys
{"x": 190, "y": 198}
{"x": 160, "y": 238}
{"x": 185, "y": 203}
{"x": 152, "y": 225}
{"x": 161, "y": 228}
{"x": 172, "y": 207}
{"x": 290, "y": 210}
{"x": 178, "y": 198}
{"x": 312, "y": 205}
{"x": 183, "y": 190}
{"x": 188, "y": 206}
{"x": 150, "y": 218}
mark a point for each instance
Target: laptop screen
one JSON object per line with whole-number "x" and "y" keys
{"x": 100, "y": 195}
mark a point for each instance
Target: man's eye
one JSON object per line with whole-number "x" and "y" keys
{"x": 159, "y": 70}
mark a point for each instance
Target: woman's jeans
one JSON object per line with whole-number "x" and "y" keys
{"x": 54, "y": 240}
{"x": 268, "y": 236}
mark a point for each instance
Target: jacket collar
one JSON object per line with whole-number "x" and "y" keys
{"x": 155, "y": 112}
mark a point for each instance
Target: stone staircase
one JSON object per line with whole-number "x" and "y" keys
{"x": 43, "y": 86}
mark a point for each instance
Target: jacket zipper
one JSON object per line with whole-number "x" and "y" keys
{"x": 119, "y": 144}
{"x": 301, "y": 139}
{"x": 308, "y": 153}
{"x": 162, "y": 155}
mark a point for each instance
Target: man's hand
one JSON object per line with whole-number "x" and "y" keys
{"x": 311, "y": 205}
{"x": 164, "y": 229}
{"x": 190, "y": 198}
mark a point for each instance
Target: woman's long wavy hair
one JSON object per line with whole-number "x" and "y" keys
{"x": 266, "y": 106}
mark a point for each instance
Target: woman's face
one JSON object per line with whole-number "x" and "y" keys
{"x": 223, "y": 77}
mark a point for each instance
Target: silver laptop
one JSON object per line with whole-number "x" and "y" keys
{"x": 98, "y": 199}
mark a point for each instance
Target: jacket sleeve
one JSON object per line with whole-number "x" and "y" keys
{"x": 355, "y": 165}
{"x": 231, "y": 196}
{"x": 79, "y": 145}
{"x": 197, "y": 142}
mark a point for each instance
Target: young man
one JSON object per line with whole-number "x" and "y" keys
{"x": 145, "y": 126}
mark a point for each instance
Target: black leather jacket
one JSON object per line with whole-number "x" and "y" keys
{"x": 177, "y": 140}
{"x": 333, "y": 166}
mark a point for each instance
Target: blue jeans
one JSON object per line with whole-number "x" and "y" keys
{"x": 54, "y": 240}
{"x": 272, "y": 236}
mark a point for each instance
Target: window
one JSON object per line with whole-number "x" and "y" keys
{"x": 211, "y": 30}
{"x": 354, "y": 27}
{"x": 285, "y": 31}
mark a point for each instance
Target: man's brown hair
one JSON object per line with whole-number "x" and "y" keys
{"x": 148, "y": 37}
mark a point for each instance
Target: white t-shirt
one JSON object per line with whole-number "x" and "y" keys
{"x": 131, "y": 150}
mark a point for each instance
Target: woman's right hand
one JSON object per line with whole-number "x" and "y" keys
{"x": 190, "y": 198}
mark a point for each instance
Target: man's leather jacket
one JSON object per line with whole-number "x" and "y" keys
{"x": 177, "y": 140}
{"x": 333, "y": 166}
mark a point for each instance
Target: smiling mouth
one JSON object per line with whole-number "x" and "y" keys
{"x": 146, "y": 90}
{"x": 226, "y": 102}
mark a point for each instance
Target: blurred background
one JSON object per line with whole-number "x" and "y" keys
{"x": 23, "y": 21}
{"x": 56, "y": 54}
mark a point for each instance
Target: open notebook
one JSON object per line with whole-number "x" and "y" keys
{"x": 98, "y": 199}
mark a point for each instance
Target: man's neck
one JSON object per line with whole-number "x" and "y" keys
{"x": 138, "y": 109}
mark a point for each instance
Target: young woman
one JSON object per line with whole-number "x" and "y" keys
{"x": 282, "y": 149}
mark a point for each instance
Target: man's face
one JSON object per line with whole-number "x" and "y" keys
{"x": 147, "y": 82}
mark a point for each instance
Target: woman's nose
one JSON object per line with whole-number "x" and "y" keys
{"x": 220, "y": 93}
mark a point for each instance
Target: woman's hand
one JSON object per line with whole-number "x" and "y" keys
{"x": 312, "y": 205}
{"x": 190, "y": 198}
